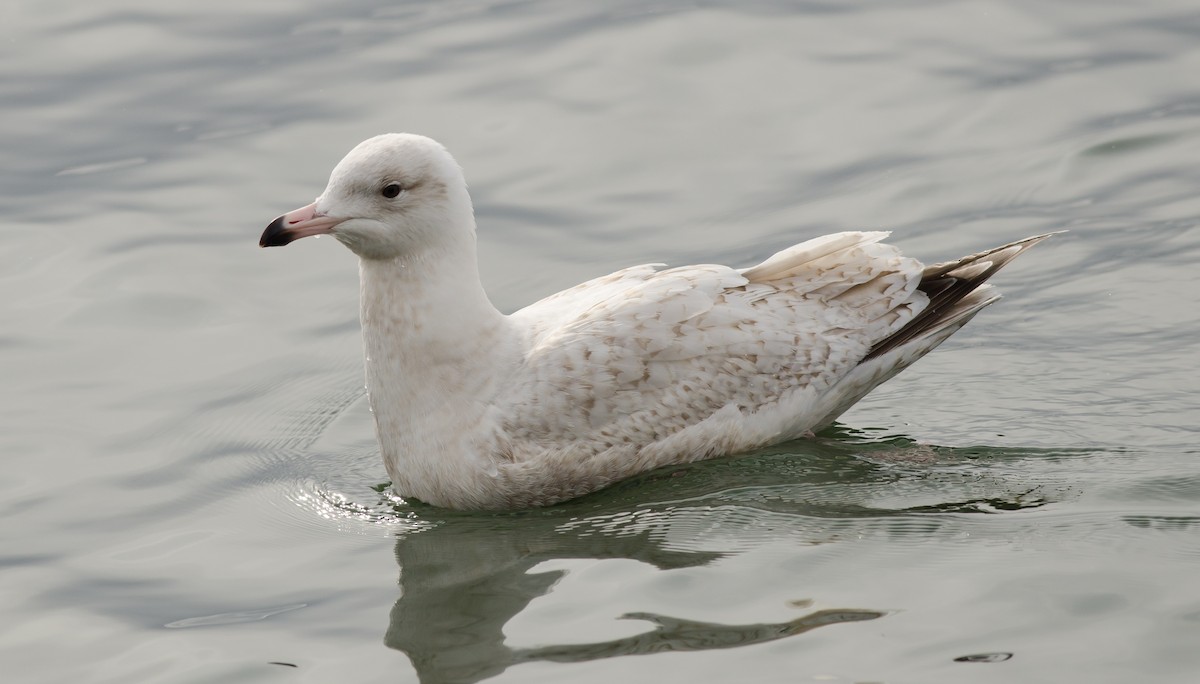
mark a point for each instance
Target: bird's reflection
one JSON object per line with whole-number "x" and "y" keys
{"x": 463, "y": 577}
{"x": 462, "y": 580}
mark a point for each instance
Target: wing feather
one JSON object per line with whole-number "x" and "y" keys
{"x": 641, "y": 354}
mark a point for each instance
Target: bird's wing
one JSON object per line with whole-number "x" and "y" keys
{"x": 565, "y": 306}
{"x": 638, "y": 355}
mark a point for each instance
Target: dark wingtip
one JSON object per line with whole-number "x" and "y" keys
{"x": 275, "y": 235}
{"x": 946, "y": 285}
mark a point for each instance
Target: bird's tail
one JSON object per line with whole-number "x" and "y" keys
{"x": 957, "y": 290}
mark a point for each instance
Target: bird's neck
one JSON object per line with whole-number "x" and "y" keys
{"x": 436, "y": 350}
{"x": 428, "y": 304}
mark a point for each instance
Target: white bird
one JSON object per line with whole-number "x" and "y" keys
{"x": 645, "y": 367}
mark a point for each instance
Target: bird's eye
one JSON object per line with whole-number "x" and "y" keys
{"x": 391, "y": 190}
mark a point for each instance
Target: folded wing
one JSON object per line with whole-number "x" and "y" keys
{"x": 639, "y": 355}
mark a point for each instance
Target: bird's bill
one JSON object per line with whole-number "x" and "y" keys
{"x": 296, "y": 224}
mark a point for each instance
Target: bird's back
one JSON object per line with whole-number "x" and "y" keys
{"x": 705, "y": 358}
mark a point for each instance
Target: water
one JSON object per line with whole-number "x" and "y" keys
{"x": 191, "y": 489}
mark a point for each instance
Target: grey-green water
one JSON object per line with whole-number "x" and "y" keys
{"x": 190, "y": 482}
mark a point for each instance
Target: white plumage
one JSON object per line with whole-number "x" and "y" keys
{"x": 645, "y": 367}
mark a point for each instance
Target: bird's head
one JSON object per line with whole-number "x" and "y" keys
{"x": 394, "y": 195}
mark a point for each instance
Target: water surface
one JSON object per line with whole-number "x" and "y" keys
{"x": 192, "y": 492}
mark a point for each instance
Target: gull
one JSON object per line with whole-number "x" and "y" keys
{"x": 646, "y": 367}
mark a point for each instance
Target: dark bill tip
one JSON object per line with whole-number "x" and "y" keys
{"x": 276, "y": 235}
